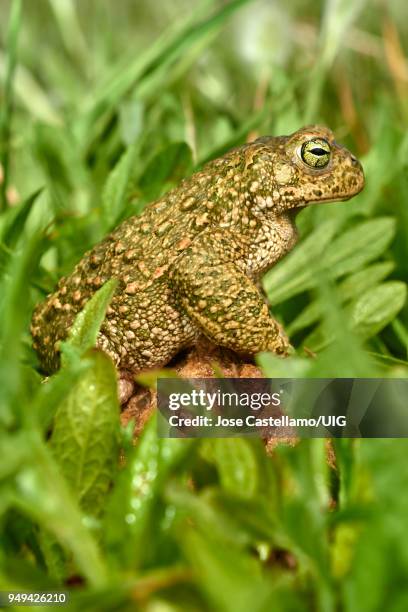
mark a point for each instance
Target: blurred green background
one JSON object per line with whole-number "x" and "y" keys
{"x": 104, "y": 106}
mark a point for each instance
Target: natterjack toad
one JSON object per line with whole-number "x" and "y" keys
{"x": 190, "y": 263}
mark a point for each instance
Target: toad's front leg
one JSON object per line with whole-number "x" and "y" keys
{"x": 224, "y": 303}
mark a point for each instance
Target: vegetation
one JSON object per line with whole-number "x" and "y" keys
{"x": 104, "y": 106}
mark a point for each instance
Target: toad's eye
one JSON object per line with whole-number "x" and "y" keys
{"x": 316, "y": 152}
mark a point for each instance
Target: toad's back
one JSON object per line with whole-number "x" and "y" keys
{"x": 143, "y": 314}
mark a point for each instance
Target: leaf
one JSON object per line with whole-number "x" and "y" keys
{"x": 236, "y": 463}
{"x": 369, "y": 314}
{"x": 295, "y": 274}
{"x": 53, "y": 150}
{"x": 236, "y": 139}
{"x": 231, "y": 579}
{"x": 129, "y": 521}
{"x": 67, "y": 20}
{"x": 353, "y": 285}
{"x": 14, "y": 447}
{"x": 168, "y": 166}
{"x": 54, "y": 390}
{"x": 14, "y": 316}
{"x": 131, "y": 120}
{"x": 84, "y": 331}
{"x": 206, "y": 509}
{"x": 13, "y": 220}
{"x": 347, "y": 253}
{"x": 180, "y": 55}
{"x": 378, "y": 307}
{"x": 359, "y": 245}
{"x": 379, "y": 480}
{"x": 147, "y": 72}
{"x": 338, "y": 18}
{"x": 309, "y": 315}
{"x": 274, "y": 366}
{"x": 86, "y": 433}
{"x": 149, "y": 378}
{"x": 359, "y": 282}
{"x": 6, "y": 110}
{"x": 117, "y": 186}
{"x": 43, "y": 495}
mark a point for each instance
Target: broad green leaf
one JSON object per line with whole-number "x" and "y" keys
{"x": 54, "y": 557}
{"x": 401, "y": 332}
{"x": 378, "y": 307}
{"x": 86, "y": 433}
{"x": 55, "y": 390}
{"x": 42, "y": 494}
{"x": 359, "y": 245}
{"x": 345, "y": 355}
{"x": 358, "y": 282}
{"x": 306, "y": 477}
{"x": 83, "y": 333}
{"x": 20, "y": 573}
{"x": 149, "y": 378}
{"x": 236, "y": 463}
{"x": 353, "y": 285}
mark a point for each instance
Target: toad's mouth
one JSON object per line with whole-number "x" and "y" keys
{"x": 328, "y": 200}
{"x": 338, "y": 198}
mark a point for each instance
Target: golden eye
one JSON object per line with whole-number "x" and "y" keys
{"x": 316, "y": 152}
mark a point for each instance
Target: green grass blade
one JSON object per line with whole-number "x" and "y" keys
{"x": 148, "y": 72}
{"x": 14, "y": 316}
{"x": 7, "y": 106}
{"x": 12, "y": 222}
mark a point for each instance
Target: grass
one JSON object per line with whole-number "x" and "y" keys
{"x": 104, "y": 106}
